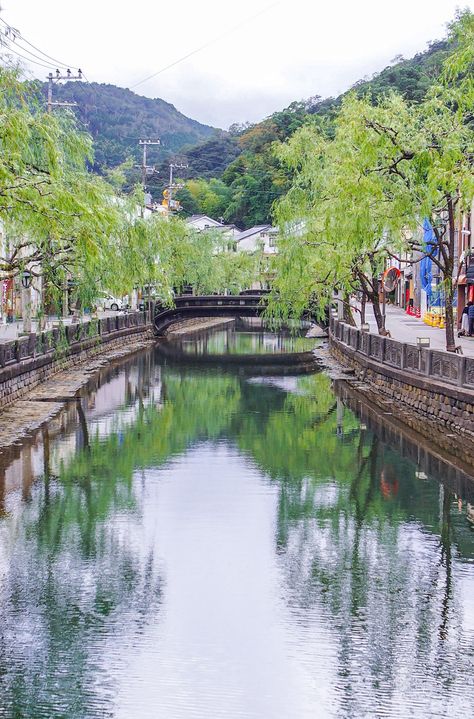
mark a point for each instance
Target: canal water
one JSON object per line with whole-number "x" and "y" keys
{"x": 191, "y": 541}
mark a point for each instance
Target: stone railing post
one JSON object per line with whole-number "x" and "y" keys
{"x": 403, "y": 357}
{"x": 462, "y": 371}
{"x": 429, "y": 361}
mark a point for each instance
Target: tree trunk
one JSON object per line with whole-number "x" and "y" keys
{"x": 377, "y": 312}
{"x": 449, "y": 324}
{"x": 347, "y": 312}
{"x": 448, "y": 282}
{"x": 370, "y": 293}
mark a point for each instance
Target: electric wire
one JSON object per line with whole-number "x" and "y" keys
{"x": 38, "y": 57}
{"x": 34, "y": 62}
{"x": 48, "y": 57}
{"x": 207, "y": 44}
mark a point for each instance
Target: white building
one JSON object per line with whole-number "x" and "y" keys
{"x": 264, "y": 236}
{"x": 203, "y": 222}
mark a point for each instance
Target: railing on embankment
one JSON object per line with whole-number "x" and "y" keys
{"x": 29, "y": 359}
{"x": 424, "y": 363}
{"x": 436, "y": 385}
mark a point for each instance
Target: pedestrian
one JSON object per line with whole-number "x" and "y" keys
{"x": 465, "y": 321}
{"x": 470, "y": 314}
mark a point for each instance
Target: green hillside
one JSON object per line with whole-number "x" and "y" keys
{"x": 117, "y": 117}
{"x": 234, "y": 174}
{"x": 252, "y": 181}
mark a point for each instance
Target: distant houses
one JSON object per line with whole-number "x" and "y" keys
{"x": 260, "y": 236}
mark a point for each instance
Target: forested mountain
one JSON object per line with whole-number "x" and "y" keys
{"x": 117, "y": 117}
{"x": 230, "y": 174}
{"x": 246, "y": 189}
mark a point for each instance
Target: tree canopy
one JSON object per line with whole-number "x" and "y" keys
{"x": 362, "y": 188}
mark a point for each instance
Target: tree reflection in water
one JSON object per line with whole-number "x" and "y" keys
{"x": 365, "y": 547}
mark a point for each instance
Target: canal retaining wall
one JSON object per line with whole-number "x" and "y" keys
{"x": 436, "y": 384}
{"x": 31, "y": 359}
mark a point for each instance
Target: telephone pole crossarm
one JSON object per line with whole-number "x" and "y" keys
{"x": 56, "y": 78}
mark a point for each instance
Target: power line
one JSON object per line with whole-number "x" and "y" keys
{"x": 207, "y": 44}
{"x": 38, "y": 57}
{"x": 48, "y": 57}
{"x": 34, "y": 62}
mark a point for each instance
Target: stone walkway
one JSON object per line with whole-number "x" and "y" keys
{"x": 405, "y": 328}
{"x": 47, "y": 399}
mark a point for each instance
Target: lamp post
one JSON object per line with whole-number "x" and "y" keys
{"x": 26, "y": 300}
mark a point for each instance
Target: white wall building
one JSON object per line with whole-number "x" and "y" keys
{"x": 264, "y": 236}
{"x": 203, "y": 222}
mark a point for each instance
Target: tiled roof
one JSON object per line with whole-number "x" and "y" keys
{"x": 251, "y": 231}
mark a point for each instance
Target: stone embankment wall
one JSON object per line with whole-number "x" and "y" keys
{"x": 29, "y": 360}
{"x": 438, "y": 385}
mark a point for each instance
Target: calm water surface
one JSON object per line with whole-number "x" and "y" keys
{"x": 199, "y": 543}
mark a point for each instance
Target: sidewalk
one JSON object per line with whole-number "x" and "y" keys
{"x": 11, "y": 331}
{"x": 406, "y": 328}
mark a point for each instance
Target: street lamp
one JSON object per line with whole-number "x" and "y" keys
{"x": 26, "y": 300}
{"x": 26, "y": 279}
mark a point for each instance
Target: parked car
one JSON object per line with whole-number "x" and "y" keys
{"x": 109, "y": 302}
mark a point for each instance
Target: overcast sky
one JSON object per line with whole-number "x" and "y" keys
{"x": 291, "y": 50}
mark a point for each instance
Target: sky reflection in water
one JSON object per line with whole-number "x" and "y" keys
{"x": 187, "y": 543}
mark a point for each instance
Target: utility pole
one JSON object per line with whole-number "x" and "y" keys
{"x": 56, "y": 78}
{"x": 145, "y": 143}
{"x": 173, "y": 186}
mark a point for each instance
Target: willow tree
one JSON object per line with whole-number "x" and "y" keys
{"x": 360, "y": 191}
{"x": 54, "y": 212}
{"x": 339, "y": 218}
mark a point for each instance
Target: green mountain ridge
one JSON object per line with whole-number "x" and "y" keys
{"x": 245, "y": 191}
{"x": 230, "y": 174}
{"x": 117, "y": 117}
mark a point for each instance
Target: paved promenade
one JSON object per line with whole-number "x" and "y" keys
{"x": 405, "y": 328}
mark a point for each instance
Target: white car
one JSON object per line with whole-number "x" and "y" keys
{"x": 109, "y": 302}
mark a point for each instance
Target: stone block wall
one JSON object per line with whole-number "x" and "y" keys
{"x": 28, "y": 361}
{"x": 432, "y": 389}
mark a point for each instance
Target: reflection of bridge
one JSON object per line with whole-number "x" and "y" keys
{"x": 275, "y": 364}
{"x": 190, "y": 306}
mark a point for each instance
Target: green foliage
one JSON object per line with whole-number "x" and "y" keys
{"x": 257, "y": 179}
{"x": 55, "y": 213}
{"x": 210, "y": 158}
{"x": 458, "y": 71}
{"x": 411, "y": 78}
{"x": 207, "y": 197}
{"x": 362, "y": 189}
